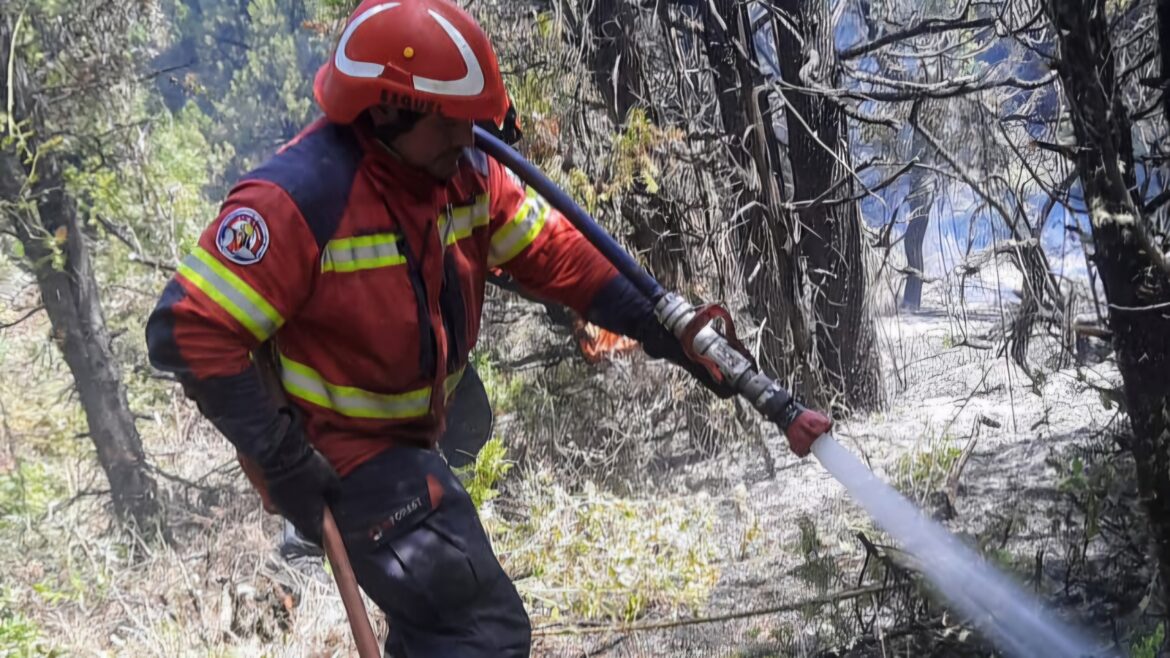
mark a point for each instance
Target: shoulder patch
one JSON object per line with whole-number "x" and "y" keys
{"x": 242, "y": 237}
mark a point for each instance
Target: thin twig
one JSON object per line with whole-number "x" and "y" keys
{"x": 34, "y": 311}
{"x": 927, "y": 26}
{"x": 135, "y": 250}
{"x": 846, "y": 595}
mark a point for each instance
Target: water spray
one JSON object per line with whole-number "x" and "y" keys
{"x": 1016, "y": 621}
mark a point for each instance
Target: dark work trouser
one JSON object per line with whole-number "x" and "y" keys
{"x": 419, "y": 551}
{"x": 469, "y": 425}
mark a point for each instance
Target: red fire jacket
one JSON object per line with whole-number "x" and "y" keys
{"x": 369, "y": 276}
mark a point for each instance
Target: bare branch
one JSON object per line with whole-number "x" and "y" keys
{"x": 943, "y": 89}
{"x": 927, "y": 26}
{"x": 135, "y": 250}
{"x": 32, "y": 312}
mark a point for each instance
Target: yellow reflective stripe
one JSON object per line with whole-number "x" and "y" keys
{"x": 231, "y": 293}
{"x": 307, "y": 384}
{"x": 364, "y": 252}
{"x": 465, "y": 219}
{"x": 520, "y": 232}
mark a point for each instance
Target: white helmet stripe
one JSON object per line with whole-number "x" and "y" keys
{"x": 353, "y": 68}
{"x": 470, "y": 84}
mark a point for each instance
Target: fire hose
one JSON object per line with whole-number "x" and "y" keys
{"x": 1015, "y": 619}
{"x": 722, "y": 354}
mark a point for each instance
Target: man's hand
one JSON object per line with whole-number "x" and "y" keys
{"x": 803, "y": 427}
{"x": 300, "y": 480}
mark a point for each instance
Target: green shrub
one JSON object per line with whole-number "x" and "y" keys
{"x": 1148, "y": 645}
{"x": 482, "y": 478}
{"x": 20, "y": 637}
{"x": 28, "y": 490}
{"x": 596, "y": 556}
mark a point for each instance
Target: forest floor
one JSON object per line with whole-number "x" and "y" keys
{"x": 1026, "y": 468}
{"x": 1018, "y": 466}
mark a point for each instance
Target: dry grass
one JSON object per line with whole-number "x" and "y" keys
{"x": 74, "y": 585}
{"x": 596, "y": 556}
{"x": 623, "y": 550}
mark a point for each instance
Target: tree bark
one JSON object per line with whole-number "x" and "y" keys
{"x": 72, "y": 300}
{"x": 1137, "y": 289}
{"x": 830, "y": 243}
{"x": 764, "y": 235}
{"x": 1164, "y": 50}
{"x": 919, "y": 201}
{"x": 616, "y": 67}
{"x": 45, "y": 220}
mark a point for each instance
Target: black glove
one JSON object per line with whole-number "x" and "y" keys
{"x": 300, "y": 480}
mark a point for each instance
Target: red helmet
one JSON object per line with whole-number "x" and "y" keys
{"x": 422, "y": 55}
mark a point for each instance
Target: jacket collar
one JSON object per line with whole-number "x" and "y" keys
{"x": 391, "y": 173}
{"x": 390, "y": 170}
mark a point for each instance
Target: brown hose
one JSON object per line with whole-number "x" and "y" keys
{"x": 359, "y": 623}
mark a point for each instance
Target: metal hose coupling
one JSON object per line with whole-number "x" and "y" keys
{"x": 724, "y": 356}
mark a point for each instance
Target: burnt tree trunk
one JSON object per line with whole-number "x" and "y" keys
{"x": 1164, "y": 50}
{"x": 1136, "y": 286}
{"x": 919, "y": 201}
{"x": 764, "y": 236}
{"x": 615, "y": 65}
{"x": 830, "y": 241}
{"x": 45, "y": 220}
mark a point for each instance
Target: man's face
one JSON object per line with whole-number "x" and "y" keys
{"x": 434, "y": 144}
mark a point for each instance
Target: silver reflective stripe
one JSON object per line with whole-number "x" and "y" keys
{"x": 302, "y": 381}
{"x": 307, "y": 384}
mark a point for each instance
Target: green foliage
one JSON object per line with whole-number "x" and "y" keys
{"x": 257, "y": 90}
{"x": 926, "y": 470}
{"x": 1088, "y": 487}
{"x": 27, "y": 491}
{"x": 598, "y": 556}
{"x": 482, "y": 478}
{"x": 530, "y": 96}
{"x": 20, "y": 637}
{"x": 1148, "y": 645}
{"x": 631, "y": 160}
{"x": 503, "y": 390}
{"x": 335, "y": 9}
{"x": 155, "y": 190}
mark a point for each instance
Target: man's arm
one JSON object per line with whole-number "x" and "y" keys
{"x": 251, "y": 271}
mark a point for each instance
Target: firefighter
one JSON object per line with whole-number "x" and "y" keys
{"x": 358, "y": 255}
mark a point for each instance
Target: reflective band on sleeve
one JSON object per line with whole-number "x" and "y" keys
{"x": 517, "y": 234}
{"x": 464, "y": 220}
{"x": 307, "y": 384}
{"x": 365, "y": 252}
{"x": 235, "y": 296}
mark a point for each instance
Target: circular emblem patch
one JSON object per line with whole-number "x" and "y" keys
{"x": 242, "y": 237}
